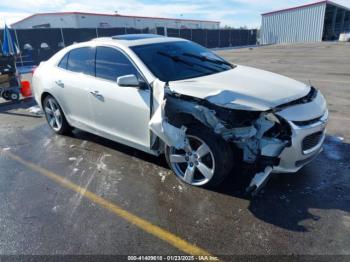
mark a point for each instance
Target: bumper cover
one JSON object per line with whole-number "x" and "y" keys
{"x": 293, "y": 158}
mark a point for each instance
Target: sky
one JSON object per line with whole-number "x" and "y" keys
{"x": 234, "y": 13}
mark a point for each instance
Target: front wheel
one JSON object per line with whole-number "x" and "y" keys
{"x": 206, "y": 161}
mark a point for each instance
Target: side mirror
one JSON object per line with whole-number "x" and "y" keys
{"x": 128, "y": 80}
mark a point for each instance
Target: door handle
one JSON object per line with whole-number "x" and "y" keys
{"x": 96, "y": 94}
{"x": 59, "y": 83}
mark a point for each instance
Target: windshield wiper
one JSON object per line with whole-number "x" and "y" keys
{"x": 178, "y": 59}
{"x": 175, "y": 58}
{"x": 206, "y": 59}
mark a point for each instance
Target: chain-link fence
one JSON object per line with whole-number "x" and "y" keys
{"x": 214, "y": 38}
{"x": 38, "y": 45}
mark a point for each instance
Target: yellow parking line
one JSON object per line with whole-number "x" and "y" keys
{"x": 148, "y": 227}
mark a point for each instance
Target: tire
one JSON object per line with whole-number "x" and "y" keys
{"x": 55, "y": 116}
{"x": 208, "y": 154}
{"x": 6, "y": 95}
{"x": 14, "y": 96}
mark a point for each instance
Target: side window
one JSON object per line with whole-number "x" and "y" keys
{"x": 63, "y": 62}
{"x": 111, "y": 64}
{"x": 82, "y": 60}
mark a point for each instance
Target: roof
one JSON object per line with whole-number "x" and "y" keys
{"x": 304, "y": 6}
{"x": 115, "y": 15}
{"x": 136, "y": 39}
{"x": 131, "y": 37}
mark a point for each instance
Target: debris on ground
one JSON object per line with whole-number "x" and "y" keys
{"x": 35, "y": 110}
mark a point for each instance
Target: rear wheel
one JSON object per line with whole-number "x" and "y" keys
{"x": 55, "y": 117}
{"x": 206, "y": 161}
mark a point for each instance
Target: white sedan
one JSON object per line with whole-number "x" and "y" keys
{"x": 172, "y": 96}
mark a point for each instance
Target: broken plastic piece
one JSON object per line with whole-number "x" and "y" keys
{"x": 252, "y": 141}
{"x": 259, "y": 181}
{"x": 272, "y": 146}
{"x": 208, "y": 118}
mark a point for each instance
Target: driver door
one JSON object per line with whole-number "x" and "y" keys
{"x": 120, "y": 113}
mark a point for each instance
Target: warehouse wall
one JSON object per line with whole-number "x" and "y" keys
{"x": 96, "y": 21}
{"x": 100, "y": 21}
{"x": 293, "y": 26}
{"x": 53, "y": 21}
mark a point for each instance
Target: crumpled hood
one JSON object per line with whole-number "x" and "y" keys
{"x": 243, "y": 88}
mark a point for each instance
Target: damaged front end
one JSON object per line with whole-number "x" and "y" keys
{"x": 261, "y": 136}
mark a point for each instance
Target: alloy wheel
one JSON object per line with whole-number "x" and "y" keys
{"x": 53, "y": 114}
{"x": 195, "y": 164}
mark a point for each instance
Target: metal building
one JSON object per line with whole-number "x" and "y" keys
{"x": 321, "y": 21}
{"x": 93, "y": 20}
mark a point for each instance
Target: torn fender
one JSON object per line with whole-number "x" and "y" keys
{"x": 250, "y": 138}
{"x": 177, "y": 106}
{"x": 169, "y": 134}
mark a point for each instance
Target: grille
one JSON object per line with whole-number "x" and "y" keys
{"x": 307, "y": 122}
{"x": 312, "y": 140}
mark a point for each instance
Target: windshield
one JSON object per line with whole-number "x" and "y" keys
{"x": 180, "y": 60}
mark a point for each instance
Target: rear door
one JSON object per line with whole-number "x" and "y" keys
{"x": 75, "y": 81}
{"x": 121, "y": 113}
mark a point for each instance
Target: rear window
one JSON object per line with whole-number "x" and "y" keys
{"x": 82, "y": 60}
{"x": 63, "y": 62}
